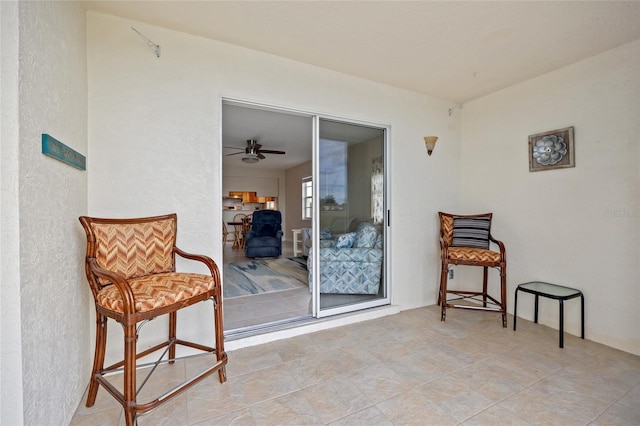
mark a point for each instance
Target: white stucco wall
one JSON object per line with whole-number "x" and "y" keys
{"x": 54, "y": 298}
{"x": 10, "y": 337}
{"x": 577, "y": 226}
{"x": 154, "y": 140}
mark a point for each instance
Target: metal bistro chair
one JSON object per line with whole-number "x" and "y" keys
{"x": 130, "y": 266}
{"x": 465, "y": 240}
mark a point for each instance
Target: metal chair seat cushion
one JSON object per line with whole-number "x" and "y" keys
{"x": 157, "y": 291}
{"x": 473, "y": 255}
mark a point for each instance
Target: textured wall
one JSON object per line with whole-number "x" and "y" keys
{"x": 54, "y": 294}
{"x": 154, "y": 133}
{"x": 576, "y": 226}
{"x": 10, "y": 338}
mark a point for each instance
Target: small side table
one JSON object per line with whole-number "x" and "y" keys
{"x": 551, "y": 291}
{"x": 297, "y": 239}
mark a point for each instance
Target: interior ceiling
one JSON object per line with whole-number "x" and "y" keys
{"x": 455, "y": 50}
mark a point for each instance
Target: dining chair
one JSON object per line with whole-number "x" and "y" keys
{"x": 239, "y": 221}
{"x": 226, "y": 234}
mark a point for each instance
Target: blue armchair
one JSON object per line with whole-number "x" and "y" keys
{"x": 353, "y": 264}
{"x": 265, "y": 237}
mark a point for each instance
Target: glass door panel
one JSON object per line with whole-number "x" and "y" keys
{"x": 351, "y": 216}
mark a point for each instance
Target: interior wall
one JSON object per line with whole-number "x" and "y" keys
{"x": 575, "y": 226}
{"x": 154, "y": 130}
{"x": 54, "y": 297}
{"x": 258, "y": 174}
{"x": 293, "y": 190}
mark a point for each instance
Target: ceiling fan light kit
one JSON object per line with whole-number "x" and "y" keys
{"x": 252, "y": 152}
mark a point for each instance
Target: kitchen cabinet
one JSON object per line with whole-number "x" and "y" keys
{"x": 245, "y": 196}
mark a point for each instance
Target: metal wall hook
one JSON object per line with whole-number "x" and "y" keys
{"x": 152, "y": 45}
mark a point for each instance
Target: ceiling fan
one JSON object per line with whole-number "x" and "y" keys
{"x": 252, "y": 152}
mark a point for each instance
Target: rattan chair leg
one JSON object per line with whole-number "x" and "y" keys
{"x": 98, "y": 358}
{"x": 442, "y": 298}
{"x": 173, "y": 321}
{"x": 485, "y": 276}
{"x": 503, "y": 294}
{"x": 218, "y": 318}
{"x": 129, "y": 373}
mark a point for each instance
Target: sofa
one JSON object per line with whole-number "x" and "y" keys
{"x": 350, "y": 263}
{"x": 326, "y": 240}
{"x": 326, "y": 233}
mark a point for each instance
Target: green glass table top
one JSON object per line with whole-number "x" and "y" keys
{"x": 550, "y": 289}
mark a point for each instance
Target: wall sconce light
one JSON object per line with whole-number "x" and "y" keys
{"x": 430, "y": 143}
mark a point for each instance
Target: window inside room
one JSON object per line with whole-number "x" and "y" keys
{"x": 307, "y": 198}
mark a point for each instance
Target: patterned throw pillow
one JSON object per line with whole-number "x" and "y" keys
{"x": 471, "y": 232}
{"x": 325, "y": 234}
{"x": 345, "y": 240}
{"x": 366, "y": 236}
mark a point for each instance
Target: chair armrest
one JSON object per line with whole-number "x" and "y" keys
{"x": 500, "y": 245}
{"x": 121, "y": 283}
{"x": 213, "y": 267}
{"x": 444, "y": 248}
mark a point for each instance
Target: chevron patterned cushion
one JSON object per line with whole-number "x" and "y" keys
{"x": 157, "y": 291}
{"x": 473, "y": 254}
{"x": 471, "y": 232}
{"x": 135, "y": 250}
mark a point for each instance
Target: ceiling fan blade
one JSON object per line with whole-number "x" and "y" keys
{"x": 235, "y": 153}
{"x": 234, "y": 147}
{"x": 271, "y": 151}
{"x": 260, "y": 156}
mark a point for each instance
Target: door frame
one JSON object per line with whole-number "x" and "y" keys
{"x": 386, "y": 270}
{"x": 386, "y": 229}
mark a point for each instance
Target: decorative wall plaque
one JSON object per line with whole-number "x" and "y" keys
{"x": 61, "y": 152}
{"x": 551, "y": 150}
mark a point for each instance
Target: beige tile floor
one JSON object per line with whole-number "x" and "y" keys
{"x": 406, "y": 369}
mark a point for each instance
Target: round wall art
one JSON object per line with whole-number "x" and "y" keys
{"x": 551, "y": 150}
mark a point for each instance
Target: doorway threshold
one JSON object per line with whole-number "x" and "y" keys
{"x": 253, "y": 330}
{"x": 270, "y": 332}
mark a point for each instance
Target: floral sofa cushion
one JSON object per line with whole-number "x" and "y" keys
{"x": 346, "y": 240}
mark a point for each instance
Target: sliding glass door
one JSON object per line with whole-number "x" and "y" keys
{"x": 331, "y": 183}
{"x": 350, "y": 195}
